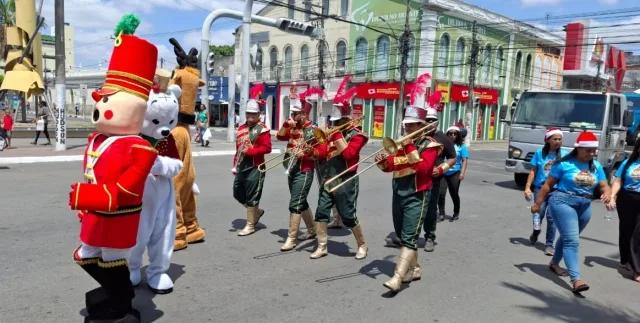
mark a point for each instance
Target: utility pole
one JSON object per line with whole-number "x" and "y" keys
{"x": 473, "y": 64}
{"x": 404, "y": 48}
{"x": 596, "y": 84}
{"x": 319, "y": 22}
{"x": 61, "y": 129}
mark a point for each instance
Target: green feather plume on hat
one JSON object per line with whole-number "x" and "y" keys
{"x": 127, "y": 25}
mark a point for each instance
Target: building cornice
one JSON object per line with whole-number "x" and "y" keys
{"x": 497, "y": 21}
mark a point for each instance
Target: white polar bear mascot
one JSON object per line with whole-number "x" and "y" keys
{"x": 158, "y": 217}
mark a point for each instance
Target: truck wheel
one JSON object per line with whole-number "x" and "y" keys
{"x": 520, "y": 179}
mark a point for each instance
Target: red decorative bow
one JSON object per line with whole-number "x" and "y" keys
{"x": 156, "y": 88}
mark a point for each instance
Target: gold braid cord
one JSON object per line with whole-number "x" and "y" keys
{"x": 112, "y": 264}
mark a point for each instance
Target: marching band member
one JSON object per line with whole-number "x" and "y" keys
{"x": 299, "y": 132}
{"x": 412, "y": 169}
{"x": 116, "y": 164}
{"x": 253, "y": 141}
{"x": 342, "y": 152}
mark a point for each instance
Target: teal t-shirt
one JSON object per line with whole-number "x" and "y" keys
{"x": 574, "y": 177}
{"x": 461, "y": 152}
{"x": 631, "y": 177}
{"x": 202, "y": 116}
{"x": 543, "y": 165}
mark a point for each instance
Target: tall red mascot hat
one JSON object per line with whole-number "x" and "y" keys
{"x": 586, "y": 140}
{"x": 132, "y": 65}
{"x": 309, "y": 94}
{"x": 342, "y": 100}
{"x": 551, "y": 132}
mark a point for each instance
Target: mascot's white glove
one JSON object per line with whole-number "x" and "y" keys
{"x": 196, "y": 189}
{"x": 166, "y": 167}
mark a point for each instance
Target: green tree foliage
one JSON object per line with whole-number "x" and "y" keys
{"x": 223, "y": 50}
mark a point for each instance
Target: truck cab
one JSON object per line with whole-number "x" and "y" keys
{"x": 607, "y": 115}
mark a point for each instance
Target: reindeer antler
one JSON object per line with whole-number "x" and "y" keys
{"x": 181, "y": 55}
{"x": 192, "y": 60}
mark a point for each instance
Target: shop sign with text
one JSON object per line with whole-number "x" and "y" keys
{"x": 460, "y": 93}
{"x": 444, "y": 89}
{"x": 385, "y": 91}
{"x": 378, "y": 121}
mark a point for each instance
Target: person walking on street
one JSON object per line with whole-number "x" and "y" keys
{"x": 202, "y": 124}
{"x": 541, "y": 164}
{"x": 7, "y": 127}
{"x": 454, "y": 176}
{"x": 42, "y": 123}
{"x": 625, "y": 197}
{"x": 576, "y": 176}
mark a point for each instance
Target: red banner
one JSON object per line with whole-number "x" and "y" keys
{"x": 357, "y": 111}
{"x": 460, "y": 93}
{"x": 378, "y": 121}
{"x": 386, "y": 91}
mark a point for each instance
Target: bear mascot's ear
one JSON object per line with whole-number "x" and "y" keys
{"x": 175, "y": 89}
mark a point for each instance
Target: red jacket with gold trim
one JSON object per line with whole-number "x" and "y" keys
{"x": 346, "y": 144}
{"x": 258, "y": 139}
{"x": 296, "y": 135}
{"x": 111, "y": 199}
{"x": 412, "y": 166}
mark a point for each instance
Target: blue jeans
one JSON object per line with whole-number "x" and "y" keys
{"x": 202, "y": 131}
{"x": 551, "y": 226}
{"x": 571, "y": 214}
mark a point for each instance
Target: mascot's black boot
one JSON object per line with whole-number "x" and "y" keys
{"x": 96, "y": 299}
{"x": 119, "y": 293}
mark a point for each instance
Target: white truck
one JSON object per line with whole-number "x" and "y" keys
{"x": 607, "y": 115}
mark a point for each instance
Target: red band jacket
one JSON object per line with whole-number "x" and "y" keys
{"x": 412, "y": 166}
{"x": 342, "y": 150}
{"x": 258, "y": 139}
{"x": 294, "y": 137}
{"x": 110, "y": 201}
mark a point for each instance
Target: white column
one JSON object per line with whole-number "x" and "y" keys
{"x": 426, "y": 57}
{"x": 508, "y": 79}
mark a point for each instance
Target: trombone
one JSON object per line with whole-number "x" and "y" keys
{"x": 319, "y": 135}
{"x": 389, "y": 145}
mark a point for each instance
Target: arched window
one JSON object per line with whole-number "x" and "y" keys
{"x": 486, "y": 63}
{"x": 555, "y": 75}
{"x": 259, "y": 64}
{"x": 527, "y": 72}
{"x": 518, "y": 69}
{"x": 497, "y": 66}
{"x": 341, "y": 54}
{"x": 273, "y": 63}
{"x": 546, "y": 73}
{"x": 288, "y": 61}
{"x": 443, "y": 57}
{"x": 362, "y": 47}
{"x": 537, "y": 72}
{"x": 458, "y": 68}
{"x": 382, "y": 57}
{"x": 304, "y": 60}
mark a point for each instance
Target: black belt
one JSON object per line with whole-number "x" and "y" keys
{"x": 189, "y": 119}
{"x": 123, "y": 210}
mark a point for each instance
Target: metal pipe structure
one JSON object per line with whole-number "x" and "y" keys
{"x": 204, "y": 52}
{"x": 61, "y": 129}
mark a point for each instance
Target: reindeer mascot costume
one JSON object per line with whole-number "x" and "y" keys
{"x": 187, "y": 76}
{"x": 116, "y": 164}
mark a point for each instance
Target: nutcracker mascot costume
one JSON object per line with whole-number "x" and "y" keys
{"x": 253, "y": 141}
{"x": 157, "y": 229}
{"x": 412, "y": 166}
{"x": 116, "y": 165}
{"x": 299, "y": 132}
{"x": 187, "y": 77}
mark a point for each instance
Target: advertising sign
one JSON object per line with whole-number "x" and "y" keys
{"x": 357, "y": 111}
{"x": 460, "y": 93}
{"x": 444, "y": 89}
{"x": 378, "y": 121}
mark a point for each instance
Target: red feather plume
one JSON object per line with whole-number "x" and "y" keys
{"x": 419, "y": 87}
{"x": 342, "y": 88}
{"x": 348, "y": 95}
{"x": 434, "y": 99}
{"x": 312, "y": 91}
{"x": 256, "y": 90}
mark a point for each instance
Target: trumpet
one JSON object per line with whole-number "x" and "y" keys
{"x": 319, "y": 135}
{"x": 245, "y": 143}
{"x": 389, "y": 145}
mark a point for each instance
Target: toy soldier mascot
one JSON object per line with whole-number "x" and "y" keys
{"x": 342, "y": 152}
{"x": 412, "y": 168}
{"x": 116, "y": 164}
{"x": 253, "y": 141}
{"x": 299, "y": 132}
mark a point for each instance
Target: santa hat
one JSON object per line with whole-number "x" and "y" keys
{"x": 414, "y": 113}
{"x": 252, "y": 105}
{"x": 309, "y": 94}
{"x": 453, "y": 128}
{"x": 587, "y": 140}
{"x": 551, "y": 132}
{"x": 342, "y": 100}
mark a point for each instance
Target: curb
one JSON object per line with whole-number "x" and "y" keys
{"x": 58, "y": 159}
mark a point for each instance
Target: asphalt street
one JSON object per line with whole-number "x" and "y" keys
{"x": 483, "y": 268}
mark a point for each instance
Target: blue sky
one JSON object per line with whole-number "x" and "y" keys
{"x": 94, "y": 20}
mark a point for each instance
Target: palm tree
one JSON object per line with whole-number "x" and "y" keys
{"x": 8, "y": 12}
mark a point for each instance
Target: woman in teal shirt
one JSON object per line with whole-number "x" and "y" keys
{"x": 576, "y": 176}
{"x": 203, "y": 119}
{"x": 452, "y": 178}
{"x": 625, "y": 196}
{"x": 541, "y": 164}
